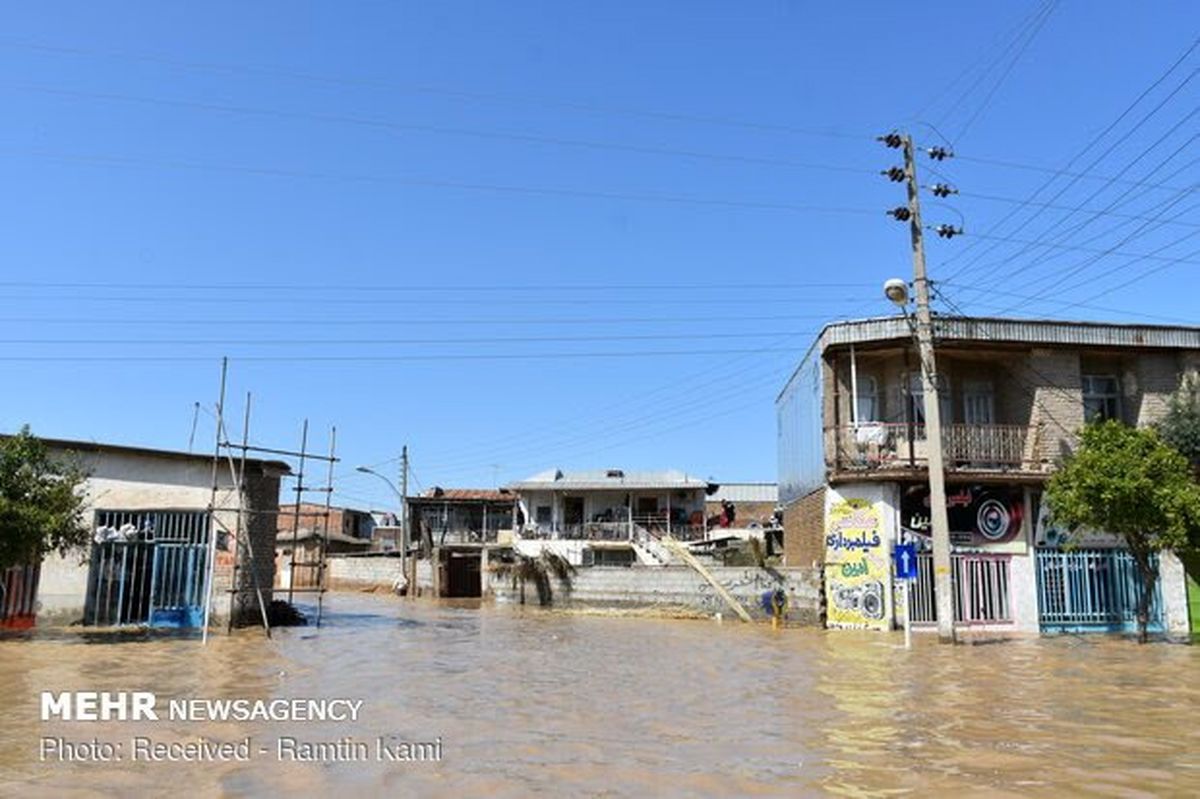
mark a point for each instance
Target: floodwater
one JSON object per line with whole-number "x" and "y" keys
{"x": 533, "y": 702}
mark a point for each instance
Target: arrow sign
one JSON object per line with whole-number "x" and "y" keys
{"x": 906, "y": 561}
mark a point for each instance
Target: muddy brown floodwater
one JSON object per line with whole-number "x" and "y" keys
{"x": 529, "y": 702}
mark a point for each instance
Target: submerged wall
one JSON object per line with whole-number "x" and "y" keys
{"x": 680, "y": 589}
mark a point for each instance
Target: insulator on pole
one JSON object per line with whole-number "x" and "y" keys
{"x": 939, "y": 153}
{"x": 893, "y": 140}
{"x": 900, "y": 213}
{"x": 942, "y": 189}
{"x": 948, "y": 231}
{"x": 895, "y": 174}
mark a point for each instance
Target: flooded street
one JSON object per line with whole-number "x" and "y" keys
{"x": 533, "y": 702}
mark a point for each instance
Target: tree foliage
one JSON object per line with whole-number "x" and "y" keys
{"x": 1181, "y": 426}
{"x": 41, "y": 507}
{"x": 1129, "y": 482}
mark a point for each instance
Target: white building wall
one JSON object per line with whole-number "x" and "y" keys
{"x": 126, "y": 481}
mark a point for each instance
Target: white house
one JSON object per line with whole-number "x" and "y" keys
{"x": 147, "y": 562}
{"x": 609, "y": 511}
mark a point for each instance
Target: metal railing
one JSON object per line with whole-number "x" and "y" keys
{"x": 980, "y": 583}
{"x": 147, "y": 567}
{"x": 886, "y": 445}
{"x": 617, "y": 530}
{"x": 1092, "y": 588}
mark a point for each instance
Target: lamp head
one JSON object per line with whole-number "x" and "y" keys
{"x": 363, "y": 469}
{"x": 896, "y": 290}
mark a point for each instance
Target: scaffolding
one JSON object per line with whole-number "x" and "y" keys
{"x": 228, "y": 453}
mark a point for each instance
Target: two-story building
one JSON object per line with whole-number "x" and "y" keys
{"x": 1013, "y": 394}
{"x": 609, "y": 515}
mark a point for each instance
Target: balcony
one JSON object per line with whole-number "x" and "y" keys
{"x": 887, "y": 447}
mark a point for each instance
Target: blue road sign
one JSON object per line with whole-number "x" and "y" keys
{"x": 906, "y": 561}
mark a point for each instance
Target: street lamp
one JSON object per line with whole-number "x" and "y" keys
{"x": 403, "y": 512}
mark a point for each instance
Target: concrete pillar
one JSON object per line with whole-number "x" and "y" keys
{"x": 1173, "y": 585}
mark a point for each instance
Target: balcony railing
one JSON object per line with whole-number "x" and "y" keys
{"x": 620, "y": 530}
{"x": 965, "y": 447}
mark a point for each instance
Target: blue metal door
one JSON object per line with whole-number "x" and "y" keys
{"x": 177, "y": 593}
{"x": 1092, "y": 590}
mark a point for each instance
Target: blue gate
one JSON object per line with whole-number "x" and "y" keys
{"x": 148, "y": 568}
{"x": 1092, "y": 590}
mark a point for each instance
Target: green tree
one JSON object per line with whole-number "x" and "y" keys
{"x": 1181, "y": 426}
{"x": 41, "y": 507}
{"x": 1129, "y": 482}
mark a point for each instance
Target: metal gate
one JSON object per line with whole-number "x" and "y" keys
{"x": 980, "y": 584}
{"x": 148, "y": 567}
{"x": 1092, "y": 590}
{"x": 18, "y": 597}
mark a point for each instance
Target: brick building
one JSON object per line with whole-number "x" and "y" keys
{"x": 1013, "y": 396}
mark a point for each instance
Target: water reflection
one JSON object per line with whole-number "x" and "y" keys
{"x": 529, "y": 701}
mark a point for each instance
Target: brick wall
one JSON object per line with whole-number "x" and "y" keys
{"x": 804, "y": 531}
{"x": 256, "y": 570}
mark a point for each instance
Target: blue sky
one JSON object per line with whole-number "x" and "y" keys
{"x": 537, "y": 234}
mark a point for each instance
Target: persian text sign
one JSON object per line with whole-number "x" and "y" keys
{"x": 856, "y": 567}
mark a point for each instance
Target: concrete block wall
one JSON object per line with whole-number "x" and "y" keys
{"x": 350, "y": 572}
{"x": 679, "y": 588}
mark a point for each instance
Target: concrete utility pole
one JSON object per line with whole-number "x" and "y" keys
{"x": 933, "y": 420}
{"x": 404, "y": 507}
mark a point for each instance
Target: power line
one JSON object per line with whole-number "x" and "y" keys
{"x": 1118, "y": 201}
{"x": 392, "y": 342}
{"x": 376, "y": 358}
{"x": 519, "y": 287}
{"x": 410, "y": 127}
{"x": 1062, "y": 172}
{"x": 540, "y": 191}
{"x": 209, "y": 322}
{"x": 1092, "y": 143}
{"x": 1054, "y": 207}
{"x": 369, "y": 301}
{"x": 1076, "y": 248}
{"x": 1036, "y": 27}
{"x": 276, "y": 73}
{"x": 991, "y": 291}
{"x": 991, "y": 59}
{"x": 1054, "y": 251}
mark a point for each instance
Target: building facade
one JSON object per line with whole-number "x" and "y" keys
{"x": 153, "y": 535}
{"x": 1013, "y": 394}
{"x": 609, "y": 514}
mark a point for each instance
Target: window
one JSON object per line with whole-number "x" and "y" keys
{"x": 979, "y": 404}
{"x": 868, "y": 400}
{"x": 542, "y": 515}
{"x": 1100, "y": 396}
{"x": 916, "y": 400}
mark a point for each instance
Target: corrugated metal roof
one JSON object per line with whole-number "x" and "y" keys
{"x": 1045, "y": 332}
{"x": 746, "y": 492}
{"x": 469, "y": 494}
{"x": 617, "y": 479}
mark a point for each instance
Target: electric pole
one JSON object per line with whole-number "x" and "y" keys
{"x": 403, "y": 504}
{"x": 930, "y": 383}
{"x": 933, "y": 413}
